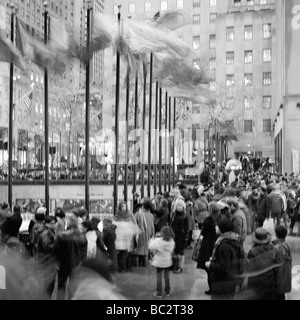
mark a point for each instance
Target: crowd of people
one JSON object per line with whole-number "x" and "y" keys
{"x": 77, "y": 252}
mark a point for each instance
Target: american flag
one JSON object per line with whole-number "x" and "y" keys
{"x": 28, "y": 101}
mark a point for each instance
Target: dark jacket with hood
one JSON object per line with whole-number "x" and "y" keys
{"x": 224, "y": 266}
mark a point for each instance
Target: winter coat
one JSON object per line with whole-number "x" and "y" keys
{"x": 162, "y": 252}
{"x": 223, "y": 266}
{"x": 70, "y": 248}
{"x": 145, "y": 223}
{"x": 200, "y": 209}
{"x": 125, "y": 232}
{"x": 264, "y": 261}
{"x": 262, "y": 212}
{"x": 275, "y": 203}
{"x": 45, "y": 245}
{"x": 180, "y": 226}
{"x": 209, "y": 235}
{"x": 92, "y": 244}
{"x": 161, "y": 218}
{"x": 240, "y": 224}
{"x": 284, "y": 276}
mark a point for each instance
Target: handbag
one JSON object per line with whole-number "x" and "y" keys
{"x": 196, "y": 251}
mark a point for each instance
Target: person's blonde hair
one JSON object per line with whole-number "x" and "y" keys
{"x": 213, "y": 208}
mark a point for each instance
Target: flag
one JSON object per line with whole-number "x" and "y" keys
{"x": 64, "y": 41}
{"x": 185, "y": 116}
{"x": 156, "y": 16}
{"x": 171, "y": 20}
{"x": 9, "y": 53}
{"x": 130, "y": 115}
{"x": 38, "y": 52}
{"x": 28, "y": 101}
{"x": 98, "y": 121}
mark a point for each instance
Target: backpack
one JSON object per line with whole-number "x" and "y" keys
{"x": 35, "y": 233}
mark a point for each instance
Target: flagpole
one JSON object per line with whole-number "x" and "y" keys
{"x": 156, "y": 127}
{"x": 169, "y": 157}
{"x": 60, "y": 154}
{"x": 52, "y": 152}
{"x": 166, "y": 142}
{"x": 174, "y": 127}
{"x": 87, "y": 114}
{"x": 117, "y": 104}
{"x": 135, "y": 129}
{"x": 144, "y": 128}
{"x": 126, "y": 136}
{"x": 77, "y": 156}
{"x": 160, "y": 141}
{"x": 27, "y": 155}
{"x": 46, "y": 113}
{"x": 11, "y": 110}
{"x": 150, "y": 125}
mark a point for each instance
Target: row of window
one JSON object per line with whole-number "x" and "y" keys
{"x": 180, "y": 5}
{"x": 248, "y": 79}
{"x": 248, "y": 58}
{"x": 230, "y": 36}
{"x": 230, "y": 103}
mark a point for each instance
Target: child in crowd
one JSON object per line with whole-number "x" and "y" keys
{"x": 162, "y": 247}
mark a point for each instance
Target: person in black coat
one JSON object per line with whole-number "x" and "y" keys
{"x": 223, "y": 264}
{"x": 209, "y": 237}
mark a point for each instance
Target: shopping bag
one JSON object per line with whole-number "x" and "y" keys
{"x": 196, "y": 251}
{"x": 269, "y": 226}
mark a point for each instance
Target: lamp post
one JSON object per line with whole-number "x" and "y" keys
{"x": 117, "y": 104}
{"x": 87, "y": 113}
{"x": 45, "y": 4}
{"x": 11, "y": 109}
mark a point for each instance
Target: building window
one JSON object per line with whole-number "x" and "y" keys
{"x": 247, "y": 126}
{"x": 248, "y": 56}
{"x": 267, "y": 102}
{"x": 267, "y": 30}
{"x": 237, "y": 3}
{"x": 131, "y": 8}
{"x": 230, "y": 57}
{"x": 196, "y": 64}
{"x": 212, "y": 64}
{"x": 148, "y": 7}
{"x": 212, "y": 3}
{"x": 229, "y": 80}
{"x": 262, "y": 2}
{"x": 267, "y": 125}
{"x": 248, "y": 79}
{"x": 164, "y": 5}
{"x": 212, "y": 41}
{"x": 196, "y": 19}
{"x": 115, "y": 10}
{"x": 196, "y": 108}
{"x": 267, "y": 78}
{"x": 247, "y": 104}
{"x": 248, "y": 32}
{"x": 267, "y": 55}
{"x": 250, "y": 2}
{"x": 212, "y": 17}
{"x": 230, "y": 34}
{"x": 179, "y": 4}
{"x": 196, "y": 43}
{"x": 196, "y": 3}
